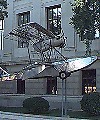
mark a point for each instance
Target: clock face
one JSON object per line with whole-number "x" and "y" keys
{"x": 64, "y": 74}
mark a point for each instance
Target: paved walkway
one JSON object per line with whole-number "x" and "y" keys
{"x": 17, "y": 116}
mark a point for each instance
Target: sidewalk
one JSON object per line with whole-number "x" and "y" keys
{"x": 17, "y": 116}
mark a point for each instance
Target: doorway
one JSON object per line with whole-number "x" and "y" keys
{"x": 20, "y": 86}
{"x": 52, "y": 85}
{"x": 88, "y": 81}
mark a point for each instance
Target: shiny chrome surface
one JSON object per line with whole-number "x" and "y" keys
{"x": 75, "y": 64}
{"x": 70, "y": 65}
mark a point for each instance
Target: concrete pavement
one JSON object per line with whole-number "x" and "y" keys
{"x": 18, "y": 116}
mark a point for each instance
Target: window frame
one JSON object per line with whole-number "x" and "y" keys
{"x": 22, "y": 44}
{"x": 1, "y": 33}
{"x": 24, "y": 14}
{"x": 52, "y": 18}
{"x": 2, "y": 25}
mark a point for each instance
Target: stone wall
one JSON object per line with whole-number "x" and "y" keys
{"x": 35, "y": 86}
{"x": 8, "y": 87}
{"x": 73, "y": 85}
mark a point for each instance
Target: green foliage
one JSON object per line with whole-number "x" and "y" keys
{"x": 3, "y": 7}
{"x": 36, "y": 105}
{"x": 85, "y": 18}
{"x": 91, "y": 103}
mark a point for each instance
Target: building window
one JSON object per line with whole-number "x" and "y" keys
{"x": 88, "y": 81}
{"x": 54, "y": 19}
{"x": 1, "y": 33}
{"x": 23, "y": 18}
{"x": 1, "y": 24}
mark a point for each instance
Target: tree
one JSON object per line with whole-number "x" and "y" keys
{"x": 86, "y": 20}
{"x": 3, "y": 7}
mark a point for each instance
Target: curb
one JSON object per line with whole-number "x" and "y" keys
{"x": 20, "y": 116}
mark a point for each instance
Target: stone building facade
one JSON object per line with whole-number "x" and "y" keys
{"x": 53, "y": 15}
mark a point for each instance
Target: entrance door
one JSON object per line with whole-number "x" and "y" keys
{"x": 52, "y": 85}
{"x": 88, "y": 81}
{"x": 20, "y": 86}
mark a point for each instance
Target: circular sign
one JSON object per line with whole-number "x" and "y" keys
{"x": 64, "y": 74}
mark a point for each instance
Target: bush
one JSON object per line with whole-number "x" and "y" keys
{"x": 36, "y": 105}
{"x": 91, "y": 103}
